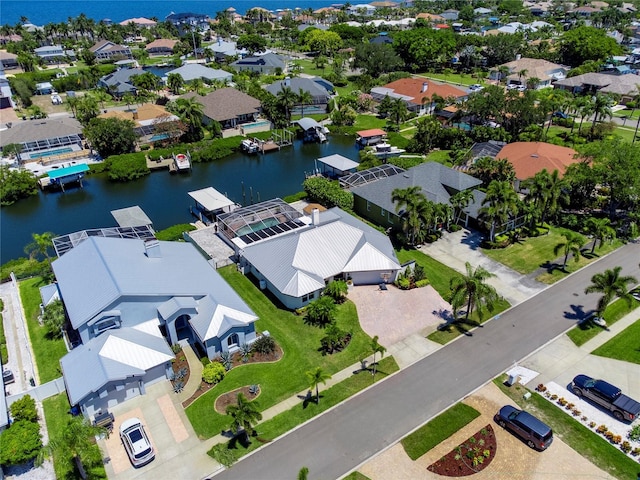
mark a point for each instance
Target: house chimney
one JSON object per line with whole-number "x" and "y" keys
{"x": 315, "y": 217}
{"x": 152, "y": 248}
{"x": 425, "y": 86}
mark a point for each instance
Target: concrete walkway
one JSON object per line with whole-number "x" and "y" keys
{"x": 195, "y": 372}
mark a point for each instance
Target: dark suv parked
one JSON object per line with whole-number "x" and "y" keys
{"x": 533, "y": 431}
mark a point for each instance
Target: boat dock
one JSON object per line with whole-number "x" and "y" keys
{"x": 157, "y": 164}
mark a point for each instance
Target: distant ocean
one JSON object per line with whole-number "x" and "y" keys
{"x": 56, "y": 11}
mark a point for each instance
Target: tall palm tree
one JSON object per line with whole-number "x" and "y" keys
{"x": 600, "y": 229}
{"x": 461, "y": 200}
{"x": 304, "y": 98}
{"x": 611, "y": 285}
{"x": 572, "y": 245}
{"x": 191, "y": 111}
{"x": 472, "y": 290}
{"x": 408, "y": 203}
{"x": 585, "y": 108}
{"x": 500, "y": 204}
{"x": 175, "y": 83}
{"x": 601, "y": 109}
{"x": 398, "y": 111}
{"x": 546, "y": 192}
{"x": 40, "y": 245}
{"x": 376, "y": 348}
{"x": 287, "y": 98}
{"x": 315, "y": 378}
{"x": 243, "y": 415}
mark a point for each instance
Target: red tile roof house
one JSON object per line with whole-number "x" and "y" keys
{"x": 417, "y": 93}
{"x": 529, "y": 158}
{"x": 161, "y": 46}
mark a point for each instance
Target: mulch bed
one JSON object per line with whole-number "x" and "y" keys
{"x": 236, "y": 361}
{"x": 179, "y": 363}
{"x": 229, "y": 398}
{"x": 472, "y": 456}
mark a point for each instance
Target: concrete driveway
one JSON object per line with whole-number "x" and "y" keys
{"x": 395, "y": 314}
{"x": 513, "y": 460}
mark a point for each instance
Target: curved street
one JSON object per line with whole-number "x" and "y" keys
{"x": 339, "y": 441}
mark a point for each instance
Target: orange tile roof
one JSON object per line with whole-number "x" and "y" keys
{"x": 373, "y": 132}
{"x": 162, "y": 43}
{"x": 144, "y": 112}
{"x": 430, "y": 17}
{"x": 529, "y": 158}
{"x": 413, "y": 87}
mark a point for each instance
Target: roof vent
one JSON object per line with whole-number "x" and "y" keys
{"x": 534, "y": 155}
{"x": 152, "y": 248}
{"x": 406, "y": 175}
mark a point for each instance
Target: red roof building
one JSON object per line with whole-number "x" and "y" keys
{"x": 418, "y": 92}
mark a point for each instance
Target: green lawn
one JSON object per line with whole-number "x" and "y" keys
{"x": 440, "y": 156}
{"x": 47, "y": 351}
{"x": 455, "y": 78}
{"x": 285, "y": 421}
{"x": 56, "y": 412}
{"x": 580, "y": 334}
{"x": 4, "y": 357}
{"x": 356, "y": 476}
{"x": 366, "y": 122}
{"x": 439, "y": 274}
{"x": 587, "y": 443}
{"x": 438, "y": 429}
{"x": 624, "y": 346}
{"x": 284, "y": 378}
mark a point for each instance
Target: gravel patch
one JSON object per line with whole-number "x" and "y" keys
{"x": 29, "y": 472}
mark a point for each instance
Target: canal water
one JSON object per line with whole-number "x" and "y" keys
{"x": 163, "y": 196}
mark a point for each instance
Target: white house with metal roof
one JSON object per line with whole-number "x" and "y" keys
{"x": 296, "y": 266}
{"x": 129, "y": 300}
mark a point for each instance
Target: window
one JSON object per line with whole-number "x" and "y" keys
{"x": 383, "y": 212}
{"x": 368, "y": 206}
{"x": 106, "y": 324}
{"x": 232, "y": 340}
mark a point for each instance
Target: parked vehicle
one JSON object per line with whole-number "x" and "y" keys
{"x": 536, "y": 433}
{"x": 606, "y": 395}
{"x": 136, "y": 442}
{"x": 7, "y": 377}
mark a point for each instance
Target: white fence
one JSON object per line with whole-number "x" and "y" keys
{"x": 46, "y": 390}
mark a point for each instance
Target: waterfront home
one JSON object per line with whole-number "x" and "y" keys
{"x": 228, "y": 106}
{"x": 107, "y": 50}
{"x": 193, "y": 71}
{"x": 161, "y": 46}
{"x": 437, "y": 182}
{"x": 296, "y": 266}
{"x": 418, "y": 93}
{"x": 54, "y": 54}
{"x": 267, "y": 64}
{"x": 522, "y": 70}
{"x": 129, "y": 300}
{"x": 320, "y": 89}
{"x": 146, "y": 117}
{"x": 119, "y": 82}
{"x": 40, "y": 137}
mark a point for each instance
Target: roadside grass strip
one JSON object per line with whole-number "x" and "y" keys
{"x": 585, "y": 331}
{"x": 438, "y": 429}
{"x": 580, "y": 438}
{"x": 624, "y": 346}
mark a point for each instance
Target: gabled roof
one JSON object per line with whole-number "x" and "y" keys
{"x": 161, "y": 43}
{"x": 414, "y": 89}
{"x": 529, "y": 158}
{"x": 268, "y": 60}
{"x": 297, "y": 83}
{"x": 191, "y": 71}
{"x": 372, "y": 132}
{"x": 113, "y": 356}
{"x": 106, "y": 46}
{"x": 99, "y": 271}
{"x": 438, "y": 183}
{"x": 121, "y": 77}
{"x": 142, "y": 21}
{"x": 214, "y": 320}
{"x": 226, "y": 103}
{"x": 298, "y": 263}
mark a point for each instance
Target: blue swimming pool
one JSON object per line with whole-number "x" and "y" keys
{"x": 50, "y": 153}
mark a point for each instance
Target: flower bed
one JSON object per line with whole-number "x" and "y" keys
{"x": 472, "y": 456}
{"x": 231, "y": 398}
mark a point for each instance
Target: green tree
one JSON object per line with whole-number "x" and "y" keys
{"x": 24, "y": 409}
{"x": 500, "y": 204}
{"x": 40, "y": 245}
{"x": 304, "y": 98}
{"x": 602, "y": 104}
{"x": 287, "y": 98}
{"x": 75, "y": 445}
{"x": 86, "y": 109}
{"x": 546, "y": 191}
{"x": 190, "y": 112}
{"x": 473, "y": 290}
{"x": 610, "y": 284}
{"x": 20, "y": 443}
{"x": 461, "y": 200}
{"x": 376, "y": 348}
{"x": 253, "y": 43}
{"x": 410, "y": 203}
{"x": 572, "y": 245}
{"x": 376, "y": 59}
{"x": 53, "y": 318}
{"x": 111, "y": 136}
{"x": 315, "y": 378}
{"x": 16, "y": 184}
{"x": 303, "y": 474}
{"x": 583, "y": 44}
{"x": 398, "y": 112}
{"x": 600, "y": 229}
{"x": 321, "y": 312}
{"x": 175, "y": 83}
{"x": 12, "y": 150}
{"x": 324, "y": 42}
{"x": 243, "y": 415}
{"x": 337, "y": 290}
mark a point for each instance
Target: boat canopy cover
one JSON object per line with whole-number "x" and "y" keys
{"x": 307, "y": 123}
{"x": 210, "y": 199}
{"x": 66, "y": 171}
{"x": 339, "y": 162}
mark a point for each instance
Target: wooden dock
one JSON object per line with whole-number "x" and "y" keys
{"x": 159, "y": 164}
{"x": 269, "y": 146}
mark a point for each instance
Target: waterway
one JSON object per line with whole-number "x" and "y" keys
{"x": 162, "y": 196}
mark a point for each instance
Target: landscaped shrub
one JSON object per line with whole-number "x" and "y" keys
{"x": 328, "y": 193}
{"x": 634, "y": 433}
{"x": 335, "y": 339}
{"x": 264, "y": 345}
{"x": 130, "y": 166}
{"x": 174, "y": 233}
{"x": 602, "y": 429}
{"x": 337, "y": 290}
{"x": 20, "y": 442}
{"x": 205, "y": 361}
{"x": 213, "y": 373}
{"x": 24, "y": 409}
{"x": 625, "y": 447}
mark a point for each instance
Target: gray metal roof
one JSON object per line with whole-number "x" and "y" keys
{"x": 211, "y": 199}
{"x": 115, "y": 355}
{"x": 339, "y": 162}
{"x": 131, "y": 217}
{"x": 191, "y": 71}
{"x": 307, "y": 123}
{"x": 298, "y": 263}
{"x": 100, "y": 271}
{"x": 437, "y": 181}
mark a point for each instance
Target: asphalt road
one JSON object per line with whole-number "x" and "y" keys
{"x": 338, "y": 441}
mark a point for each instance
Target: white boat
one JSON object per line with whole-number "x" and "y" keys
{"x": 386, "y": 150}
{"x": 249, "y": 146}
{"x": 182, "y": 162}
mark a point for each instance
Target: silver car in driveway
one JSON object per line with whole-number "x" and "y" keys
{"x": 136, "y": 442}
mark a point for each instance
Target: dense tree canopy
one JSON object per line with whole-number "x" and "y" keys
{"x": 111, "y": 136}
{"x": 16, "y": 184}
{"x": 421, "y": 48}
{"x": 254, "y": 43}
{"x": 583, "y": 44}
{"x": 376, "y": 58}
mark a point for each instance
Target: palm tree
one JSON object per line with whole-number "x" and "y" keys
{"x": 500, "y": 204}
{"x": 316, "y": 377}
{"x": 75, "y": 445}
{"x": 585, "y": 108}
{"x": 408, "y": 202}
{"x": 611, "y": 285}
{"x": 190, "y": 111}
{"x": 303, "y": 474}
{"x": 546, "y": 192}
{"x": 601, "y": 109}
{"x": 175, "y": 83}
{"x": 600, "y": 229}
{"x": 321, "y": 312}
{"x": 304, "y": 98}
{"x": 461, "y": 200}
{"x": 40, "y": 245}
{"x": 244, "y": 414}
{"x": 472, "y": 290}
{"x": 376, "y": 348}
{"x": 398, "y": 111}
{"x": 287, "y": 99}
{"x": 572, "y": 245}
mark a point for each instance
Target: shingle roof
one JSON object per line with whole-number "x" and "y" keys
{"x": 297, "y": 263}
{"x": 529, "y": 158}
{"x": 267, "y": 60}
{"x": 437, "y": 181}
{"x": 33, "y": 130}
{"x": 297, "y": 83}
{"x": 161, "y": 43}
{"x": 226, "y": 104}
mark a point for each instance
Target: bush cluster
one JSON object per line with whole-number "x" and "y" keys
{"x": 213, "y": 373}
{"x": 328, "y": 193}
{"x": 22, "y": 441}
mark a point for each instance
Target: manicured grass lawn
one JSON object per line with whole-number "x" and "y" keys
{"x": 56, "y": 412}
{"x": 286, "y": 377}
{"x": 438, "y": 430}
{"x": 624, "y": 346}
{"x": 4, "y": 358}
{"x": 464, "y": 79}
{"x": 366, "y": 122}
{"x": 285, "y": 421}
{"x": 356, "y": 476}
{"x": 580, "y": 334}
{"x": 47, "y": 351}
{"x": 589, "y": 444}
{"x": 440, "y": 156}
{"x": 439, "y": 274}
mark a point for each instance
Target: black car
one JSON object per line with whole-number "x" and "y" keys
{"x": 7, "y": 377}
{"x": 607, "y": 396}
{"x": 536, "y": 433}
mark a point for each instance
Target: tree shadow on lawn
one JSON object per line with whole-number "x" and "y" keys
{"x": 463, "y": 326}
{"x": 551, "y": 267}
{"x": 309, "y": 398}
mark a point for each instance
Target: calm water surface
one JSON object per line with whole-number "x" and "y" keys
{"x": 162, "y": 196}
